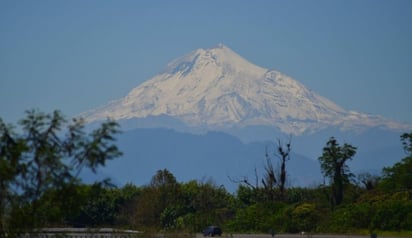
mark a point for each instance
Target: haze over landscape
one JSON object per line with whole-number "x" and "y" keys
{"x": 211, "y": 114}
{"x": 215, "y": 79}
{"x": 233, "y": 118}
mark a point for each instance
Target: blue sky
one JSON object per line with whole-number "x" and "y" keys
{"x": 77, "y": 55}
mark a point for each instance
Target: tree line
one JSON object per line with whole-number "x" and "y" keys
{"x": 40, "y": 186}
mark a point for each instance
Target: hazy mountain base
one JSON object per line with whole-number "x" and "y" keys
{"x": 222, "y": 158}
{"x": 251, "y": 107}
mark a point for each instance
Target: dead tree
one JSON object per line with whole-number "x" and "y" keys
{"x": 284, "y": 155}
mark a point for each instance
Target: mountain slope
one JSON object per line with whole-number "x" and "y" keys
{"x": 218, "y": 89}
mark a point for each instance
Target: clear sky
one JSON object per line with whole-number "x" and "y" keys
{"x": 77, "y": 55}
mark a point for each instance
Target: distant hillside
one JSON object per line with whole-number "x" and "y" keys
{"x": 219, "y": 156}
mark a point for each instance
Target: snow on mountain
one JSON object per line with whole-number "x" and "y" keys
{"x": 216, "y": 88}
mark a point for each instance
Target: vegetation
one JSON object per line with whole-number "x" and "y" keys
{"x": 333, "y": 165}
{"x": 41, "y": 164}
{"x": 40, "y": 187}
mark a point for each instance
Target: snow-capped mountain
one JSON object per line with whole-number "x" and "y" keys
{"x": 246, "y": 106}
{"x": 216, "y": 88}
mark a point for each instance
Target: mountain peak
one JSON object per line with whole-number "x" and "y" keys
{"x": 221, "y": 57}
{"x": 221, "y": 49}
{"x": 221, "y": 45}
{"x": 216, "y": 88}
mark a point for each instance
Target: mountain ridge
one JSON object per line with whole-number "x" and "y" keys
{"x": 217, "y": 89}
{"x": 211, "y": 113}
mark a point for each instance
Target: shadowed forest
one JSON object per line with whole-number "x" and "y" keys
{"x": 42, "y": 157}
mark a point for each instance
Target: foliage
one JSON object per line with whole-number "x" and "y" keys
{"x": 39, "y": 168}
{"x": 406, "y": 139}
{"x": 304, "y": 216}
{"x": 46, "y": 156}
{"x": 333, "y": 165}
{"x": 206, "y": 204}
{"x": 399, "y": 176}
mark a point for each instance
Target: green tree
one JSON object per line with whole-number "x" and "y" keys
{"x": 99, "y": 208}
{"x": 399, "y": 176}
{"x": 11, "y": 148}
{"x": 155, "y": 208}
{"x": 305, "y": 217}
{"x": 333, "y": 165}
{"x": 406, "y": 139}
{"x": 126, "y": 204}
{"x": 165, "y": 183}
{"x": 48, "y": 153}
{"x": 206, "y": 204}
